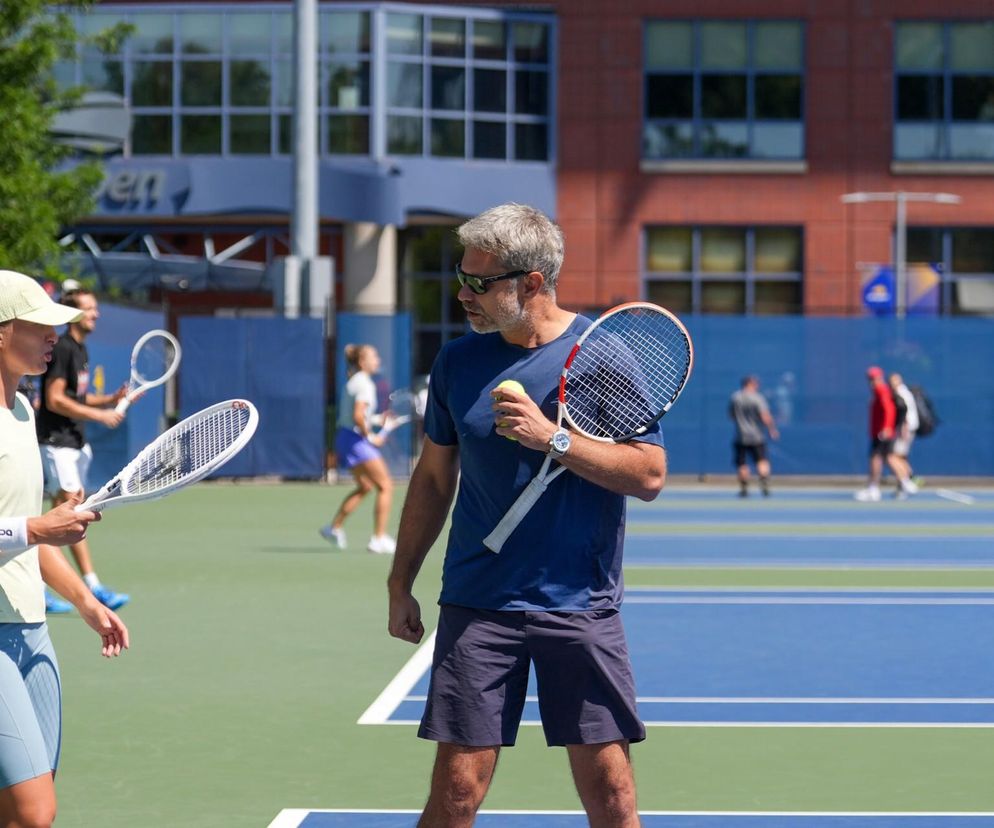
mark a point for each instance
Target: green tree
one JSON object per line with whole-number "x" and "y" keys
{"x": 39, "y": 196}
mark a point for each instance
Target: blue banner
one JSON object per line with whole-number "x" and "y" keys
{"x": 878, "y": 291}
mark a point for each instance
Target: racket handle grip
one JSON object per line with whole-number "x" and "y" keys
{"x": 89, "y": 506}
{"x": 122, "y": 405}
{"x": 521, "y": 507}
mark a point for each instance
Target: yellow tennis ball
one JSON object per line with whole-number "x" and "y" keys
{"x": 516, "y": 386}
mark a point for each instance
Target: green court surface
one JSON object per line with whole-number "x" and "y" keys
{"x": 256, "y": 647}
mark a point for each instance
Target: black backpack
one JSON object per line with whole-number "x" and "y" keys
{"x": 927, "y": 418}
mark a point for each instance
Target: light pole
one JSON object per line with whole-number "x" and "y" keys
{"x": 901, "y": 241}
{"x": 304, "y": 215}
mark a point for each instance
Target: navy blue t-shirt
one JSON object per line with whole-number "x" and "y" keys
{"x": 566, "y": 554}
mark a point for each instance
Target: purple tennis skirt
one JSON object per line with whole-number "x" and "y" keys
{"x": 353, "y": 449}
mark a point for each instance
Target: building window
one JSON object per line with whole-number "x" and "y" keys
{"x": 429, "y": 287}
{"x": 944, "y": 91}
{"x": 724, "y": 89}
{"x": 346, "y": 60}
{"x": 468, "y": 87}
{"x": 726, "y": 270}
{"x": 458, "y": 83}
{"x": 964, "y": 259}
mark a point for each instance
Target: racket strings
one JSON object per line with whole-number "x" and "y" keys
{"x": 187, "y": 451}
{"x": 626, "y": 373}
{"x": 153, "y": 360}
{"x": 402, "y": 403}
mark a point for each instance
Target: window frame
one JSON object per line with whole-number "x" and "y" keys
{"x": 946, "y": 125}
{"x": 949, "y": 277}
{"x": 371, "y": 56}
{"x": 697, "y": 122}
{"x": 696, "y": 276}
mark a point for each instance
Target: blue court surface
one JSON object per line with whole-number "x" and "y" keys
{"x": 819, "y": 528}
{"x": 709, "y": 656}
{"x": 843, "y": 658}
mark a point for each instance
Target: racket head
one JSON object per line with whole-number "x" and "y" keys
{"x": 625, "y": 372}
{"x": 404, "y": 403}
{"x": 189, "y": 451}
{"x": 154, "y": 359}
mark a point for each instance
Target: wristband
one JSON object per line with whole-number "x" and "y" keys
{"x": 13, "y": 534}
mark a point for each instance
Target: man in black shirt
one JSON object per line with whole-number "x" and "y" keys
{"x": 66, "y": 404}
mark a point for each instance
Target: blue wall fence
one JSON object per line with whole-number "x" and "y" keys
{"x": 812, "y": 371}
{"x": 279, "y": 365}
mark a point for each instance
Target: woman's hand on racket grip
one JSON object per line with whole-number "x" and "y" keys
{"x": 405, "y": 618}
{"x": 110, "y": 417}
{"x": 62, "y": 525}
{"x": 517, "y": 417}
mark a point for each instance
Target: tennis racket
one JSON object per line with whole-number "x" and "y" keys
{"x": 624, "y": 372}
{"x": 186, "y": 453}
{"x": 404, "y": 406}
{"x": 154, "y": 359}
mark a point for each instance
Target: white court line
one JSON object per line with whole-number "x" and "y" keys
{"x": 779, "y": 590}
{"x": 396, "y": 691}
{"x": 773, "y": 724}
{"x": 803, "y": 700}
{"x": 292, "y": 817}
{"x": 959, "y": 497}
{"x": 958, "y": 602}
{"x": 846, "y": 725}
{"x": 773, "y": 700}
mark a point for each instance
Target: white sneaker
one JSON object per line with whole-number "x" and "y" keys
{"x": 909, "y": 487}
{"x": 871, "y": 494}
{"x": 336, "y": 537}
{"x": 382, "y": 545}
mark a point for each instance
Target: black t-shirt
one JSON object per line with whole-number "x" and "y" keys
{"x": 70, "y": 362}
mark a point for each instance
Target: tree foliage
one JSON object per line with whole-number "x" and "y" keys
{"x": 39, "y": 195}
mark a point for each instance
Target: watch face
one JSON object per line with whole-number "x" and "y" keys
{"x": 560, "y": 441}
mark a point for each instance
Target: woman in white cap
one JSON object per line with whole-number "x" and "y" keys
{"x": 30, "y": 713}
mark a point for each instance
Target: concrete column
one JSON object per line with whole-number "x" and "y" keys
{"x": 370, "y": 271}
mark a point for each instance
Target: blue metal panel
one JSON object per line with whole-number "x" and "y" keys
{"x": 812, "y": 371}
{"x": 279, "y": 365}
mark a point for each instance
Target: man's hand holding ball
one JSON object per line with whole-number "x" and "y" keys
{"x": 510, "y": 385}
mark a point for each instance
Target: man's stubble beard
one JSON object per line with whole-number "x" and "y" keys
{"x": 505, "y": 317}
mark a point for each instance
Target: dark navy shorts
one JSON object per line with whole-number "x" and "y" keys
{"x": 741, "y": 452}
{"x": 586, "y": 692}
{"x": 881, "y": 446}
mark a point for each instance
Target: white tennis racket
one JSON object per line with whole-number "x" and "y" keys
{"x": 186, "y": 453}
{"x": 404, "y": 407}
{"x": 624, "y": 372}
{"x": 154, "y": 359}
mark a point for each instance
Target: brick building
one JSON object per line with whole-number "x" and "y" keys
{"x": 695, "y": 153}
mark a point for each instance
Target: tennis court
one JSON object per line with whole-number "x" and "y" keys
{"x": 804, "y": 660}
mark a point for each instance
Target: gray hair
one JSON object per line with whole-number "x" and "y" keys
{"x": 520, "y": 238}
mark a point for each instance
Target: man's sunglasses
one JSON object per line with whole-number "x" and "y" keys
{"x": 479, "y": 284}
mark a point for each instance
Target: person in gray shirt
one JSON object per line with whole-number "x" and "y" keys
{"x": 753, "y": 421}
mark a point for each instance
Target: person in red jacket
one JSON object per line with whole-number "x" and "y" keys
{"x": 883, "y": 418}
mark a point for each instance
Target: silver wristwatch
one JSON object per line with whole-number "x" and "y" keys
{"x": 559, "y": 443}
